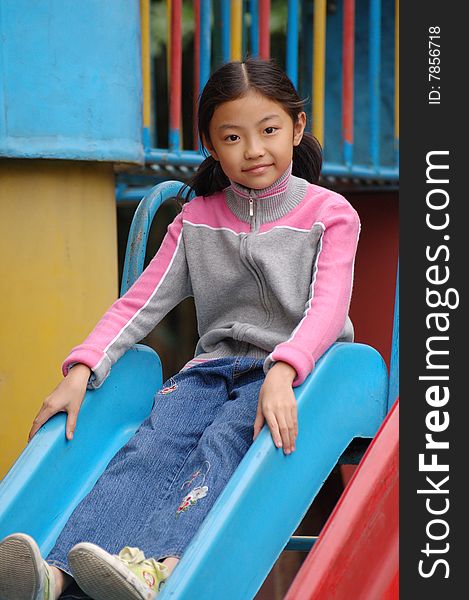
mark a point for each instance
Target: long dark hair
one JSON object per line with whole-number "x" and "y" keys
{"x": 233, "y": 80}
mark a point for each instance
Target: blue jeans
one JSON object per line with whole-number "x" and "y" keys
{"x": 158, "y": 488}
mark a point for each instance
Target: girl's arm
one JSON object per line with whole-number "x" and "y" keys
{"x": 162, "y": 285}
{"x": 327, "y": 307}
{"x": 277, "y": 406}
{"x": 67, "y": 397}
{"x": 323, "y": 320}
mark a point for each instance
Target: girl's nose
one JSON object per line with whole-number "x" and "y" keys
{"x": 253, "y": 149}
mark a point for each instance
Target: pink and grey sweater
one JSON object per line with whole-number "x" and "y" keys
{"x": 270, "y": 271}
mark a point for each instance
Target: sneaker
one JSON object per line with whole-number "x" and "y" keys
{"x": 24, "y": 575}
{"x": 126, "y": 576}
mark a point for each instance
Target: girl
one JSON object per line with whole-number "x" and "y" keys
{"x": 268, "y": 257}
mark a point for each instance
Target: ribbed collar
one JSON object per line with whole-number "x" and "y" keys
{"x": 270, "y": 203}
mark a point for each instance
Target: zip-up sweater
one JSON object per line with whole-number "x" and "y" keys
{"x": 270, "y": 271}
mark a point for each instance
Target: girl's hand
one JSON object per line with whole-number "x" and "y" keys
{"x": 277, "y": 406}
{"x": 67, "y": 397}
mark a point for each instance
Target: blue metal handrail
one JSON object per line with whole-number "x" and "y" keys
{"x": 140, "y": 229}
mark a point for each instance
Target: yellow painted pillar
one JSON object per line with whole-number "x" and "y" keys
{"x": 58, "y": 274}
{"x": 319, "y": 69}
{"x": 236, "y": 29}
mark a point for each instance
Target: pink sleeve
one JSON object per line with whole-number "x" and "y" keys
{"x": 327, "y": 308}
{"x": 161, "y": 286}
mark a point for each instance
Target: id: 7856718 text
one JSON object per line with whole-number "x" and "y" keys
{"x": 434, "y": 69}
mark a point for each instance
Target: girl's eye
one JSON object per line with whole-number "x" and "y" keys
{"x": 270, "y": 129}
{"x": 231, "y": 138}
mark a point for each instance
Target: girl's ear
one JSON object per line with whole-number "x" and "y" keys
{"x": 298, "y": 129}
{"x": 210, "y": 148}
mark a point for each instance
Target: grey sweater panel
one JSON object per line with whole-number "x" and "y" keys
{"x": 236, "y": 313}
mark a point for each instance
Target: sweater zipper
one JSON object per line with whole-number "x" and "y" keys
{"x": 246, "y": 257}
{"x": 252, "y": 213}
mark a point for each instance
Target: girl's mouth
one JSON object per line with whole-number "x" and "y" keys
{"x": 258, "y": 170}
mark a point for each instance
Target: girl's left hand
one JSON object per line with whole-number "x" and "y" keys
{"x": 277, "y": 406}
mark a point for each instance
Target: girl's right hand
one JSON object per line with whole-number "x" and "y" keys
{"x": 67, "y": 397}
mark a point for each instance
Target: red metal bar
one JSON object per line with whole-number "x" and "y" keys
{"x": 347, "y": 70}
{"x": 176, "y": 69}
{"x": 357, "y": 554}
{"x": 264, "y": 28}
{"x": 196, "y": 73}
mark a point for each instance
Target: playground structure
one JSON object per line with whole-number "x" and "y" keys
{"x": 341, "y": 57}
{"x": 362, "y": 400}
{"x": 345, "y": 399}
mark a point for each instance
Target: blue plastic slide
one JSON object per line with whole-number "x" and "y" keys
{"x": 264, "y": 501}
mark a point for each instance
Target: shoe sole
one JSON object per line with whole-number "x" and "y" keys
{"x": 103, "y": 576}
{"x": 21, "y": 565}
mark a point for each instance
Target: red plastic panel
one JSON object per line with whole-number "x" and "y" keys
{"x": 357, "y": 554}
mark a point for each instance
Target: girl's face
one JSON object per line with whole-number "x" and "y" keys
{"x": 253, "y": 138}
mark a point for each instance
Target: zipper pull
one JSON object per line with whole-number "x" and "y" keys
{"x": 251, "y": 207}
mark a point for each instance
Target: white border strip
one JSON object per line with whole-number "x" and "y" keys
{"x": 215, "y": 228}
{"x": 134, "y": 316}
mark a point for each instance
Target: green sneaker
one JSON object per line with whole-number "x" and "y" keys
{"x": 127, "y": 576}
{"x": 24, "y": 575}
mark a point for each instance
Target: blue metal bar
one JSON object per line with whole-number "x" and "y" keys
{"x": 348, "y": 153}
{"x": 146, "y": 138}
{"x": 125, "y": 193}
{"x": 225, "y": 31}
{"x": 394, "y": 368}
{"x": 380, "y": 172}
{"x": 254, "y": 8}
{"x": 374, "y": 80}
{"x": 188, "y": 158}
{"x": 205, "y": 46}
{"x": 205, "y": 42}
{"x": 292, "y": 40}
